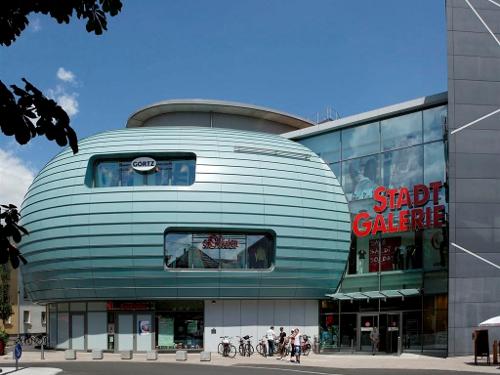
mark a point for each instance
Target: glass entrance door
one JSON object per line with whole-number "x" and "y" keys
{"x": 78, "y": 331}
{"x": 390, "y": 332}
{"x": 367, "y": 323}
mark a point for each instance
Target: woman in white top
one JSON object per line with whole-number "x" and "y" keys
{"x": 297, "y": 340}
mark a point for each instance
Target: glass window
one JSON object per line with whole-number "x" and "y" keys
{"x": 401, "y": 131}
{"x": 403, "y": 168}
{"x": 327, "y": 146}
{"x": 434, "y": 162}
{"x": 336, "y": 168}
{"x": 360, "y": 141}
{"x": 434, "y": 121}
{"x": 435, "y": 244}
{"x": 360, "y": 177}
{"x": 219, "y": 250}
{"x": 179, "y": 172}
{"x": 107, "y": 174}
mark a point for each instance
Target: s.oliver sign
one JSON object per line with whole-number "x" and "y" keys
{"x": 407, "y": 211}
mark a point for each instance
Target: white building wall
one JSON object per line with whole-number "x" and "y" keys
{"x": 254, "y": 317}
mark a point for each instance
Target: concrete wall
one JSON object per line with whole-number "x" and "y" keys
{"x": 254, "y": 317}
{"x": 474, "y": 173}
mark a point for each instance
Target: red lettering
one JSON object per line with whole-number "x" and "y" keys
{"x": 392, "y": 195}
{"x": 366, "y": 225}
{"x": 438, "y": 216}
{"x": 403, "y": 220}
{"x": 435, "y": 186}
{"x": 420, "y": 190}
{"x": 428, "y": 221}
{"x": 379, "y": 225}
{"x": 417, "y": 218}
{"x": 403, "y": 198}
{"x": 378, "y": 196}
{"x": 390, "y": 220}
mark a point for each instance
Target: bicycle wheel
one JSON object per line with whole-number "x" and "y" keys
{"x": 262, "y": 349}
{"x": 231, "y": 351}
{"x": 28, "y": 340}
{"x": 44, "y": 340}
{"x": 241, "y": 350}
{"x": 220, "y": 348}
{"x": 250, "y": 350}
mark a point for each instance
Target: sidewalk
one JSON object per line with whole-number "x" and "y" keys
{"x": 405, "y": 361}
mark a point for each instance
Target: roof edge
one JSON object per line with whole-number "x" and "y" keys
{"x": 139, "y": 117}
{"x": 373, "y": 115}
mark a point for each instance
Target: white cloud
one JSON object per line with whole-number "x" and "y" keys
{"x": 69, "y": 103}
{"x": 67, "y": 100}
{"x": 15, "y": 178}
{"x": 65, "y": 75}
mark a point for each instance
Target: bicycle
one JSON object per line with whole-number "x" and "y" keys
{"x": 245, "y": 348}
{"x": 24, "y": 339}
{"x": 262, "y": 347}
{"x": 225, "y": 348}
{"x": 39, "y": 340}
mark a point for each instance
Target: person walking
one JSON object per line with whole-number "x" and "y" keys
{"x": 297, "y": 345}
{"x": 291, "y": 339}
{"x": 375, "y": 338}
{"x": 271, "y": 336}
{"x": 281, "y": 343}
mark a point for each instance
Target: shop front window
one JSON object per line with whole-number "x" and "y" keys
{"x": 180, "y": 325}
{"x": 216, "y": 250}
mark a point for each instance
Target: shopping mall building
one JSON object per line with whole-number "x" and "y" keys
{"x": 207, "y": 218}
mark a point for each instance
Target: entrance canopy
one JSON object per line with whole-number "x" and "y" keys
{"x": 383, "y": 294}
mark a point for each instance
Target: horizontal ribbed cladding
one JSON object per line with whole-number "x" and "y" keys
{"x": 107, "y": 243}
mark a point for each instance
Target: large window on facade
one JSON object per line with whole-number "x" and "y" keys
{"x": 360, "y": 177}
{"x": 360, "y": 141}
{"x": 402, "y": 131}
{"x": 219, "y": 250}
{"x": 167, "y": 171}
{"x": 327, "y": 146}
{"x": 434, "y": 122}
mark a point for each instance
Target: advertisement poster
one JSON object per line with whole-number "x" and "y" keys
{"x": 165, "y": 332}
{"x": 389, "y": 246}
{"x": 144, "y": 327}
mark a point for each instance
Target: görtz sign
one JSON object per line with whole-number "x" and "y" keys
{"x": 407, "y": 211}
{"x": 143, "y": 164}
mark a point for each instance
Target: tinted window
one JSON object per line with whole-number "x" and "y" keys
{"x": 360, "y": 141}
{"x": 434, "y": 121}
{"x": 216, "y": 250}
{"x": 327, "y": 146}
{"x": 401, "y": 131}
{"x": 180, "y": 172}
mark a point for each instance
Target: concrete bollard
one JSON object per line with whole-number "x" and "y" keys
{"x": 152, "y": 355}
{"x": 70, "y": 354}
{"x": 205, "y": 357}
{"x": 400, "y": 346}
{"x": 181, "y": 355}
{"x": 96, "y": 354}
{"x": 126, "y": 354}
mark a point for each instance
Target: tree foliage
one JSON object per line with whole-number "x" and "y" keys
{"x": 5, "y": 305}
{"x": 25, "y": 112}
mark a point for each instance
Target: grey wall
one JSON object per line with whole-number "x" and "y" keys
{"x": 474, "y": 169}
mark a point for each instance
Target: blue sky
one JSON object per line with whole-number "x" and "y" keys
{"x": 295, "y": 56}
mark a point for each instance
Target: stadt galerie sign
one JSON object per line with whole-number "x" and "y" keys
{"x": 407, "y": 210}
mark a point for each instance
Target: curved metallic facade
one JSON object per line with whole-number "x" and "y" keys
{"x": 90, "y": 243}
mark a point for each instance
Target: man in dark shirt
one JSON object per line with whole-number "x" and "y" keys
{"x": 281, "y": 345}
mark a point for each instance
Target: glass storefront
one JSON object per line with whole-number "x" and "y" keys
{"x": 394, "y": 175}
{"x": 219, "y": 251}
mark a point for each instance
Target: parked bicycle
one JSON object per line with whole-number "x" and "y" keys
{"x": 225, "y": 348}
{"x": 262, "y": 347}
{"x": 245, "y": 348}
{"x": 306, "y": 345}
